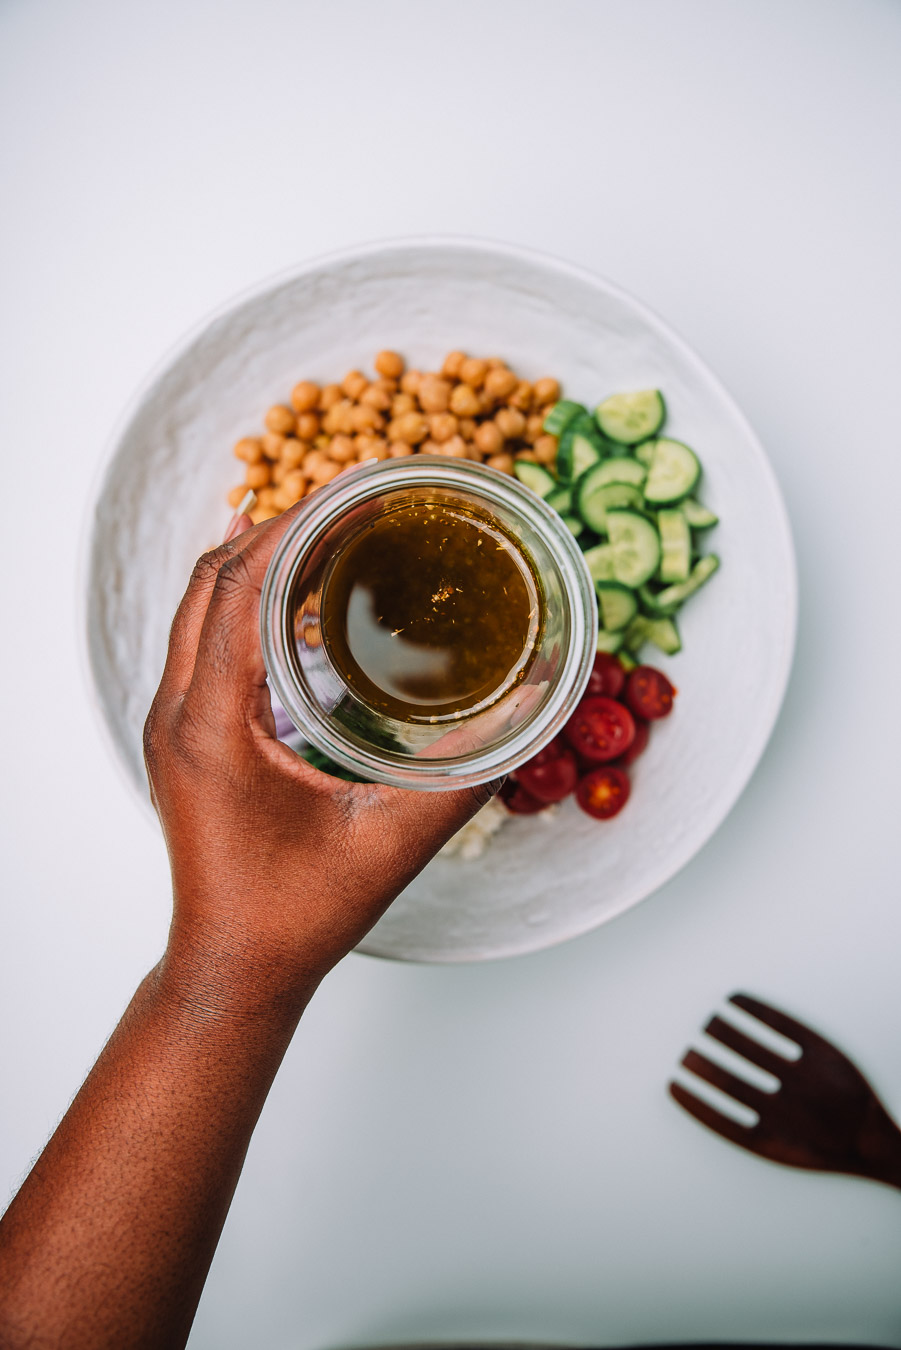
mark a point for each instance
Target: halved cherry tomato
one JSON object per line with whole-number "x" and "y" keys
{"x": 550, "y": 776}
{"x": 607, "y": 676}
{"x": 642, "y": 736}
{"x": 517, "y": 800}
{"x": 603, "y": 792}
{"x": 600, "y": 730}
{"x": 649, "y": 693}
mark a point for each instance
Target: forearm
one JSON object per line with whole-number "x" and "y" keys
{"x": 109, "y": 1240}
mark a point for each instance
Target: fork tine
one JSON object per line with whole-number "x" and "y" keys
{"x": 779, "y": 1021}
{"x": 709, "y": 1116}
{"x": 727, "y": 1082}
{"x": 728, "y": 1034}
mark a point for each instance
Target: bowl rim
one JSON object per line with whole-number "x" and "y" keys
{"x": 743, "y": 769}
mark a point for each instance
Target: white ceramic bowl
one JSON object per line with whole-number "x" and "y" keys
{"x": 161, "y": 503}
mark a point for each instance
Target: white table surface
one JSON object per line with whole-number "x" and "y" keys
{"x": 482, "y": 1152}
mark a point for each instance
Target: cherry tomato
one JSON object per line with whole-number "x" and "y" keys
{"x": 600, "y": 730}
{"x": 642, "y": 736}
{"x": 517, "y": 800}
{"x": 607, "y": 676}
{"x": 550, "y": 777}
{"x": 603, "y": 792}
{"x": 649, "y": 693}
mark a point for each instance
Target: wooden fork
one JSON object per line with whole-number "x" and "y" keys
{"x": 823, "y": 1116}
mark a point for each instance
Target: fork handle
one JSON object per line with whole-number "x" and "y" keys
{"x": 879, "y": 1144}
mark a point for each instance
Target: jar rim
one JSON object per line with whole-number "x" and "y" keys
{"x": 493, "y": 488}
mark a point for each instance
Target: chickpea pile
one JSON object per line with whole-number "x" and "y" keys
{"x": 470, "y": 409}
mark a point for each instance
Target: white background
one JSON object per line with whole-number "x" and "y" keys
{"x": 482, "y": 1151}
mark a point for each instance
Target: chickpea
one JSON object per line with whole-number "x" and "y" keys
{"x": 431, "y": 447}
{"x": 500, "y": 383}
{"x": 354, "y": 383}
{"x": 261, "y": 513}
{"x": 377, "y": 397}
{"x": 236, "y": 496}
{"x": 277, "y": 472}
{"x": 331, "y": 394}
{"x": 521, "y": 397}
{"x": 528, "y": 455}
{"x": 293, "y": 453}
{"x": 489, "y": 438}
{"x": 249, "y": 449}
{"x": 280, "y": 419}
{"x": 442, "y": 426}
{"x": 272, "y": 444}
{"x": 464, "y": 401}
{"x": 503, "y": 462}
{"x": 390, "y": 386}
{"x": 257, "y": 475}
{"x": 493, "y": 362}
{"x": 467, "y": 428}
{"x": 456, "y": 447}
{"x": 307, "y": 426}
{"x": 434, "y": 394}
{"x": 283, "y": 499}
{"x": 339, "y": 418}
{"x": 409, "y": 381}
{"x": 534, "y": 428}
{"x": 266, "y": 498}
{"x": 294, "y": 485}
{"x": 389, "y": 364}
{"x": 511, "y": 423}
{"x": 452, "y": 363}
{"x": 364, "y": 418}
{"x": 402, "y": 403}
{"x": 410, "y": 427}
{"x": 545, "y": 449}
{"x": 546, "y": 391}
{"x": 325, "y": 471}
{"x": 397, "y": 450}
{"x": 473, "y": 371}
{"x": 342, "y": 449}
{"x": 305, "y": 396}
{"x": 321, "y": 442}
{"x": 370, "y": 447}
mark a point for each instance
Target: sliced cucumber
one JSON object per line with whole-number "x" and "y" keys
{"x": 621, "y": 469}
{"x": 600, "y": 562}
{"x": 629, "y": 418}
{"x": 644, "y": 453}
{"x": 673, "y": 474}
{"x": 636, "y": 635}
{"x": 593, "y": 503}
{"x": 617, "y": 603}
{"x": 665, "y": 636}
{"x": 650, "y": 604}
{"x": 635, "y": 544}
{"x": 698, "y": 516}
{"x": 560, "y": 415}
{"x": 702, "y": 571}
{"x": 609, "y": 642}
{"x": 535, "y": 476}
{"x": 561, "y": 499}
{"x": 626, "y": 661}
{"x": 574, "y": 525}
{"x": 675, "y": 545}
{"x": 580, "y": 446}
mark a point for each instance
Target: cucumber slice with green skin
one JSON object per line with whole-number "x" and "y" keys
{"x": 626, "y": 661}
{"x": 702, "y": 571}
{"x": 535, "y": 477}
{"x": 579, "y": 447}
{"x": 636, "y": 635}
{"x": 574, "y": 525}
{"x": 561, "y": 499}
{"x": 650, "y": 604}
{"x": 644, "y": 453}
{"x": 673, "y": 474}
{"x": 593, "y": 503}
{"x": 636, "y": 546}
{"x": 629, "y": 418}
{"x": 665, "y": 636}
{"x": 561, "y": 414}
{"x": 610, "y": 642}
{"x": 698, "y": 516}
{"x": 617, "y": 603}
{"x": 675, "y": 545}
{"x": 621, "y": 469}
{"x": 599, "y": 561}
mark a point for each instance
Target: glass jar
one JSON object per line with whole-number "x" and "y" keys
{"x": 440, "y": 753}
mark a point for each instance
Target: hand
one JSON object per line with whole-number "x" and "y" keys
{"x": 278, "y": 870}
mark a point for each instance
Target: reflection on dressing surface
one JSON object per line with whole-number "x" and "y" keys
{"x": 431, "y": 611}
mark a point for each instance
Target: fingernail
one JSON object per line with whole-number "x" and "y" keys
{"x": 236, "y": 525}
